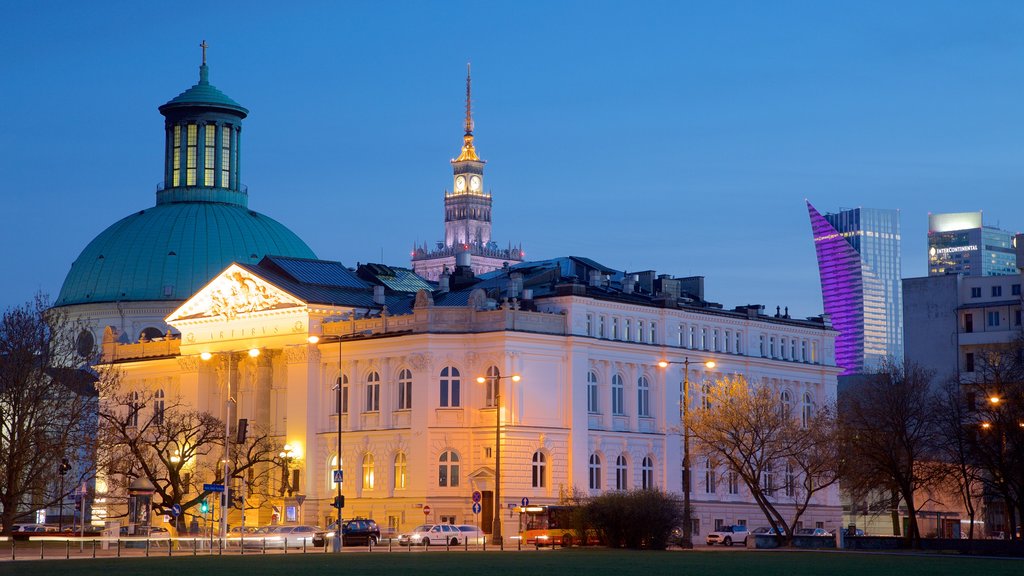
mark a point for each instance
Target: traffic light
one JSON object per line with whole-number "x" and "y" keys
{"x": 203, "y": 506}
{"x": 339, "y": 502}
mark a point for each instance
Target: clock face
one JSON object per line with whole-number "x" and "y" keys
{"x": 474, "y": 183}
{"x": 460, "y": 183}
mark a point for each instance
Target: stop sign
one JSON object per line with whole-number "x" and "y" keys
{"x": 426, "y": 510}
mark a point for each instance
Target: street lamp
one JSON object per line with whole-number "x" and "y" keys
{"x": 684, "y": 411}
{"x": 206, "y": 356}
{"x": 286, "y": 455}
{"x": 495, "y": 380}
{"x": 65, "y": 466}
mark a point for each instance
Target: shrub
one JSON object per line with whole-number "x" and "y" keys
{"x": 634, "y": 519}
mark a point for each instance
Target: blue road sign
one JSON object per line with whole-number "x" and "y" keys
{"x": 213, "y": 487}
{"x": 525, "y": 502}
{"x": 176, "y": 509}
{"x": 477, "y": 495}
{"x": 476, "y": 507}
{"x": 339, "y": 476}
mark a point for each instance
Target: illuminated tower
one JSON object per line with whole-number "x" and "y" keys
{"x": 860, "y": 268}
{"x": 467, "y": 215}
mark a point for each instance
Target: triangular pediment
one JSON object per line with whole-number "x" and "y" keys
{"x": 234, "y": 293}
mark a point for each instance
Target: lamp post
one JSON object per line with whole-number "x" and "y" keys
{"x": 684, "y": 412}
{"x": 495, "y": 382}
{"x": 230, "y": 355}
{"x": 338, "y": 543}
{"x": 286, "y": 455}
{"x": 65, "y": 466}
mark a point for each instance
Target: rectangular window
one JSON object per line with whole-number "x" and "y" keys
{"x": 727, "y": 341}
{"x": 600, "y": 327}
{"x": 703, "y": 338}
{"x": 225, "y": 156}
{"x": 615, "y": 328}
{"x": 209, "y": 154}
{"x": 590, "y": 324}
{"x": 629, "y": 329}
{"x": 761, "y": 341}
{"x": 618, "y": 396}
{"x": 969, "y": 362}
{"x": 993, "y": 318}
{"x": 968, "y": 322}
{"x": 176, "y": 158}
{"x": 792, "y": 349}
{"x": 1015, "y": 290}
{"x": 734, "y": 483}
{"x": 682, "y": 336}
{"x": 1016, "y": 317}
{"x": 640, "y": 331}
{"x": 709, "y": 479}
{"x": 654, "y": 332}
{"x": 738, "y": 349}
{"x": 191, "y": 153}
{"x": 997, "y": 291}
{"x": 976, "y": 292}
{"x": 803, "y": 350}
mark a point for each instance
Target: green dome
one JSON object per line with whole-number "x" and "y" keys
{"x": 170, "y": 251}
{"x": 204, "y": 94}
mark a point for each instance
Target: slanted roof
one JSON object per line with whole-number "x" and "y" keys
{"x": 327, "y": 273}
{"x": 394, "y": 278}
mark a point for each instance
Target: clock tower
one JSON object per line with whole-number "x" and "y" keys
{"x": 467, "y": 214}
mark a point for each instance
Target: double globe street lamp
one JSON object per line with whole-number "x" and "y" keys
{"x": 684, "y": 412}
{"x": 494, "y": 383}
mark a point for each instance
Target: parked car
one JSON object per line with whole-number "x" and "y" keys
{"x": 472, "y": 534}
{"x": 287, "y": 537}
{"x": 812, "y": 532}
{"x": 764, "y": 530}
{"x": 32, "y": 528}
{"x": 727, "y": 535}
{"x": 357, "y": 532}
{"x": 427, "y": 534}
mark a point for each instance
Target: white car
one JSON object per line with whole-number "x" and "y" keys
{"x": 728, "y": 535}
{"x": 472, "y": 534}
{"x": 427, "y": 534}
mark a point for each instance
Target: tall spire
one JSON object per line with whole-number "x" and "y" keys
{"x": 468, "y": 151}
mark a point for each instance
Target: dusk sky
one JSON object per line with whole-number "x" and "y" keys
{"x": 681, "y": 137}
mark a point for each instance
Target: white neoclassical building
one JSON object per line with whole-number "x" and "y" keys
{"x": 592, "y": 411}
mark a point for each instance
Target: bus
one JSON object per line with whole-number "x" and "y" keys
{"x": 547, "y": 525}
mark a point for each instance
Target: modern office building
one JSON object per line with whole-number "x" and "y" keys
{"x": 959, "y": 243}
{"x": 859, "y": 264}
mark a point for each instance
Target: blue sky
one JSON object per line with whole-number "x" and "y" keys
{"x": 678, "y": 136}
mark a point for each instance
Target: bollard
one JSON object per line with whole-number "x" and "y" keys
{"x": 447, "y": 544}
{"x": 13, "y": 548}
{"x": 465, "y": 542}
{"x": 501, "y": 544}
{"x": 485, "y": 543}
{"x": 264, "y": 545}
{"x": 67, "y": 549}
{"x": 195, "y": 546}
{"x": 220, "y": 547}
{"x": 390, "y": 540}
{"x": 118, "y": 546}
{"x": 519, "y": 544}
{"x": 285, "y": 544}
{"x": 94, "y": 548}
{"x": 147, "y": 547}
{"x": 170, "y": 544}
{"x": 303, "y": 545}
{"x": 40, "y": 549}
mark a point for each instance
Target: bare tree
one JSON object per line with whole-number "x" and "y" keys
{"x": 47, "y": 409}
{"x": 888, "y": 430}
{"x": 753, "y": 432}
{"x": 962, "y": 475}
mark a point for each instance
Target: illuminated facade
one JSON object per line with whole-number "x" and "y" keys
{"x": 859, "y": 263}
{"x": 592, "y": 410}
{"x": 467, "y": 217}
{"x": 958, "y": 243}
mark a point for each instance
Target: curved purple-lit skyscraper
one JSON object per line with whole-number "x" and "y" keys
{"x": 859, "y": 263}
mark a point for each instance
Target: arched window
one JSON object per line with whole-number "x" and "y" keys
{"x": 368, "y": 471}
{"x": 618, "y": 396}
{"x": 405, "y": 389}
{"x": 787, "y": 403}
{"x": 401, "y": 471}
{"x": 491, "y": 395}
{"x": 331, "y": 484}
{"x": 595, "y": 472}
{"x": 448, "y": 469}
{"x": 158, "y": 406}
{"x": 790, "y": 480}
{"x": 710, "y": 483}
{"x": 647, "y": 473}
{"x": 593, "y": 405}
{"x": 373, "y": 392}
{"x": 342, "y": 383}
{"x": 620, "y": 473}
{"x": 133, "y": 409}
{"x": 150, "y": 333}
{"x": 539, "y": 469}
{"x": 643, "y": 396}
{"x": 450, "y": 383}
{"x": 807, "y": 413}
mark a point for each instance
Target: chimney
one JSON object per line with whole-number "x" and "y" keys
{"x": 515, "y": 284}
{"x": 629, "y": 283}
{"x": 595, "y": 278}
{"x": 443, "y": 281}
{"x": 463, "y": 258}
{"x": 378, "y": 294}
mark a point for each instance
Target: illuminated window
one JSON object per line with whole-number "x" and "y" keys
{"x": 176, "y": 158}
{"x": 209, "y": 153}
{"x": 401, "y": 471}
{"x": 450, "y": 383}
{"x": 491, "y": 394}
{"x": 405, "y": 389}
{"x": 643, "y": 396}
{"x": 595, "y": 472}
{"x": 593, "y": 406}
{"x": 373, "y": 392}
{"x": 621, "y": 470}
{"x": 618, "y": 395}
{"x": 448, "y": 469}
{"x": 368, "y": 471}
{"x": 647, "y": 473}
{"x": 225, "y": 156}
{"x": 191, "y": 144}
{"x": 539, "y": 469}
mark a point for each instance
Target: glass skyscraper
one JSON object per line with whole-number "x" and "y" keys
{"x": 859, "y": 264}
{"x": 958, "y": 243}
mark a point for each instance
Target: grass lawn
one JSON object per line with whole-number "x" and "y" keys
{"x": 596, "y": 562}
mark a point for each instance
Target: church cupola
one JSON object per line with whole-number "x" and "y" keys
{"x": 202, "y": 156}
